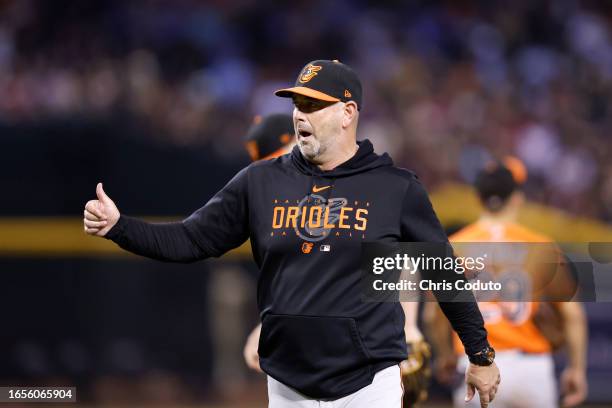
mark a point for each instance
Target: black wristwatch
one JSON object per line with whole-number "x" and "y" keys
{"x": 485, "y": 357}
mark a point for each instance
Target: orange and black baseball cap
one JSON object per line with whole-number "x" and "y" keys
{"x": 326, "y": 80}
{"x": 269, "y": 136}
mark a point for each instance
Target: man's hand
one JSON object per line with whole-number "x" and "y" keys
{"x": 485, "y": 379}
{"x": 100, "y": 215}
{"x": 251, "y": 356}
{"x": 573, "y": 387}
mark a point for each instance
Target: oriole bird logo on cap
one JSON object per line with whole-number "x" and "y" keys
{"x": 309, "y": 72}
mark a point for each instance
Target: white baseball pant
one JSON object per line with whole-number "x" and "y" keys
{"x": 385, "y": 391}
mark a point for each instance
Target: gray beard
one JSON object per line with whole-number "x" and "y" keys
{"x": 308, "y": 152}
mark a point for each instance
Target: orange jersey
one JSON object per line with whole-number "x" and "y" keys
{"x": 510, "y": 325}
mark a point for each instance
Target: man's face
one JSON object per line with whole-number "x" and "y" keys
{"x": 317, "y": 125}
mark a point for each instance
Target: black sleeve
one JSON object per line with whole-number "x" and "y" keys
{"x": 221, "y": 225}
{"x": 162, "y": 241}
{"x": 419, "y": 223}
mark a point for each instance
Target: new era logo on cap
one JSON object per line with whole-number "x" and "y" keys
{"x": 326, "y": 80}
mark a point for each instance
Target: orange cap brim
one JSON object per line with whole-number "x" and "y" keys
{"x": 302, "y": 90}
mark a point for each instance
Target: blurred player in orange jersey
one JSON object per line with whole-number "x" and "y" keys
{"x": 523, "y": 351}
{"x": 272, "y": 136}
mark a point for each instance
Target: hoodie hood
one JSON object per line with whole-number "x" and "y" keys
{"x": 365, "y": 159}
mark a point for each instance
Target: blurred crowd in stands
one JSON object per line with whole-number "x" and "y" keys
{"x": 447, "y": 84}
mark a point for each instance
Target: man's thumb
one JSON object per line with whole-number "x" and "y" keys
{"x": 470, "y": 392}
{"x": 101, "y": 194}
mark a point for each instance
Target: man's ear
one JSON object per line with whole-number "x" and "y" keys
{"x": 350, "y": 114}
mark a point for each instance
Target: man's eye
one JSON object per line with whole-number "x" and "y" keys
{"x": 308, "y": 106}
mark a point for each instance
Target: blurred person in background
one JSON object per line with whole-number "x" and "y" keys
{"x": 270, "y": 136}
{"x": 522, "y": 343}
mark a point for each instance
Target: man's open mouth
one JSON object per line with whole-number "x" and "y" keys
{"x": 304, "y": 133}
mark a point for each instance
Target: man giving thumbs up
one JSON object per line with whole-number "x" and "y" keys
{"x": 100, "y": 215}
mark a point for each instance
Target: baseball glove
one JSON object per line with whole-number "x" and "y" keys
{"x": 416, "y": 372}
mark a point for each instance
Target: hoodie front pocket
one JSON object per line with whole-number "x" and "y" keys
{"x": 322, "y": 357}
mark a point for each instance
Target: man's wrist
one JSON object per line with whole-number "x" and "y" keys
{"x": 484, "y": 357}
{"x": 117, "y": 229}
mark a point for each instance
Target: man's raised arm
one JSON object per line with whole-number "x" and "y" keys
{"x": 221, "y": 225}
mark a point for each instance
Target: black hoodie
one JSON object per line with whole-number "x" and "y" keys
{"x": 306, "y": 227}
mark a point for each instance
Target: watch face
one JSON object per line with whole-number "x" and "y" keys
{"x": 489, "y": 353}
{"x": 484, "y": 358}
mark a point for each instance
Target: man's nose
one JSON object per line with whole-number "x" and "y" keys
{"x": 299, "y": 115}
